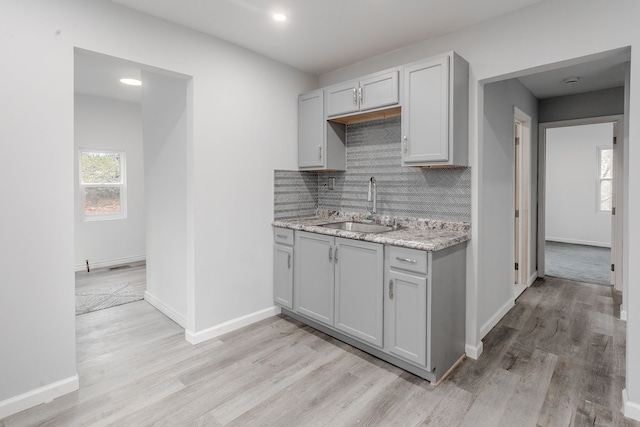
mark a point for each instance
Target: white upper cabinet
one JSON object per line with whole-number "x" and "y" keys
{"x": 435, "y": 106}
{"x": 371, "y": 92}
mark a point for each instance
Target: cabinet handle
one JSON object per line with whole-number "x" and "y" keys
{"x": 282, "y": 236}
{"x": 289, "y": 261}
{"x": 391, "y": 289}
{"x": 413, "y": 261}
{"x": 361, "y": 95}
{"x": 355, "y": 97}
{"x": 335, "y": 255}
{"x": 330, "y": 253}
{"x": 404, "y": 144}
{"x": 320, "y": 152}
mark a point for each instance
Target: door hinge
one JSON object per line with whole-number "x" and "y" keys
{"x": 613, "y": 211}
{"x": 516, "y": 266}
{"x": 613, "y": 267}
{"x": 517, "y": 140}
{"x": 615, "y": 139}
{"x": 517, "y": 214}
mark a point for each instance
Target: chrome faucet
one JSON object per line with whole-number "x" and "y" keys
{"x": 372, "y": 196}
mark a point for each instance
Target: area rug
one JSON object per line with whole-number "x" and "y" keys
{"x": 105, "y": 297}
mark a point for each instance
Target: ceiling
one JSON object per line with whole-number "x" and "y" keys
{"x": 323, "y": 35}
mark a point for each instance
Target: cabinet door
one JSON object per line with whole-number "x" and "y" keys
{"x": 407, "y": 316}
{"x": 283, "y": 275}
{"x": 359, "y": 289}
{"x": 379, "y": 90}
{"x": 425, "y": 112}
{"x": 314, "y": 280}
{"x": 342, "y": 99}
{"x": 311, "y": 147}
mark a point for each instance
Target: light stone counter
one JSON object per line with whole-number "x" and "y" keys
{"x": 418, "y": 233}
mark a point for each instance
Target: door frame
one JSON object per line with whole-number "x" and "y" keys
{"x": 522, "y": 187}
{"x": 618, "y": 194}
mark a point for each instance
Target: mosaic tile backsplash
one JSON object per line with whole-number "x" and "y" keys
{"x": 373, "y": 149}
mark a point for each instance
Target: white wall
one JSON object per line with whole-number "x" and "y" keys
{"x": 571, "y": 185}
{"x": 598, "y": 103}
{"x": 113, "y": 125}
{"x": 538, "y": 38}
{"x": 165, "y": 122}
{"x": 497, "y": 257}
{"x": 244, "y": 125}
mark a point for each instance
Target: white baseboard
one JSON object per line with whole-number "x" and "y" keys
{"x": 623, "y": 314}
{"x": 231, "y": 325}
{"x": 474, "y": 352}
{"x": 484, "y": 330}
{"x": 166, "y": 310}
{"x": 110, "y": 262}
{"x": 39, "y": 395}
{"x": 533, "y": 278}
{"x": 630, "y": 409}
{"x": 578, "y": 242}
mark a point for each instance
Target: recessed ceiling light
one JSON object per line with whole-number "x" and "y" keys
{"x": 129, "y": 81}
{"x": 280, "y": 17}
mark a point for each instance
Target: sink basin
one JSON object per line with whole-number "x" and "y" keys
{"x": 360, "y": 227}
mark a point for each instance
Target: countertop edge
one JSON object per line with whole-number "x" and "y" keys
{"x": 442, "y": 239}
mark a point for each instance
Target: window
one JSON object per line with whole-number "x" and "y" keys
{"x": 103, "y": 190}
{"x": 605, "y": 179}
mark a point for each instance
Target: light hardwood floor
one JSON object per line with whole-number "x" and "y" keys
{"x": 557, "y": 359}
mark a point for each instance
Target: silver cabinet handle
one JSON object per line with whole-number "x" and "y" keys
{"x": 355, "y": 97}
{"x": 335, "y": 255}
{"x": 391, "y": 289}
{"x": 361, "y": 95}
{"x": 320, "y": 152}
{"x": 330, "y": 253}
{"x": 282, "y": 236}
{"x": 413, "y": 261}
{"x": 289, "y": 261}
{"x": 404, "y": 144}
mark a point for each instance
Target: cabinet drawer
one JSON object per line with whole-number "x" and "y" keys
{"x": 284, "y": 236}
{"x": 408, "y": 259}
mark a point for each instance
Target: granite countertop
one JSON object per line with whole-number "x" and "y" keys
{"x": 417, "y": 233}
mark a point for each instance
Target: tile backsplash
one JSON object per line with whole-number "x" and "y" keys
{"x": 373, "y": 149}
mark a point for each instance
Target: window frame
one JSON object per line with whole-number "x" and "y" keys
{"x": 600, "y": 179}
{"x": 122, "y": 185}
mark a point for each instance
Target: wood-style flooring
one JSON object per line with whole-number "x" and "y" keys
{"x": 556, "y": 359}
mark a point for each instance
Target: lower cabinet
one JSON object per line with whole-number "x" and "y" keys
{"x": 339, "y": 282}
{"x": 405, "y": 306}
{"x": 406, "y": 316}
{"x": 358, "y": 290}
{"x": 283, "y": 267}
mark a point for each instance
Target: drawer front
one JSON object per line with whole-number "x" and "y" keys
{"x": 408, "y": 259}
{"x": 284, "y": 236}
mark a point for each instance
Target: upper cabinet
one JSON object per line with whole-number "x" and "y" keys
{"x": 321, "y": 144}
{"x": 374, "y": 91}
{"x": 434, "y": 117}
{"x": 434, "y": 110}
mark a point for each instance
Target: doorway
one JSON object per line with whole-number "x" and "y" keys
{"x": 579, "y": 235}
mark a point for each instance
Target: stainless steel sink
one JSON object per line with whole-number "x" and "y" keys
{"x": 360, "y": 227}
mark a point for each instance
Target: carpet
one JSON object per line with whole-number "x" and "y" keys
{"x": 580, "y": 263}
{"x": 105, "y": 297}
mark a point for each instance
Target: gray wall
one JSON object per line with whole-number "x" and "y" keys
{"x": 606, "y": 102}
{"x": 497, "y": 197}
{"x": 373, "y": 149}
